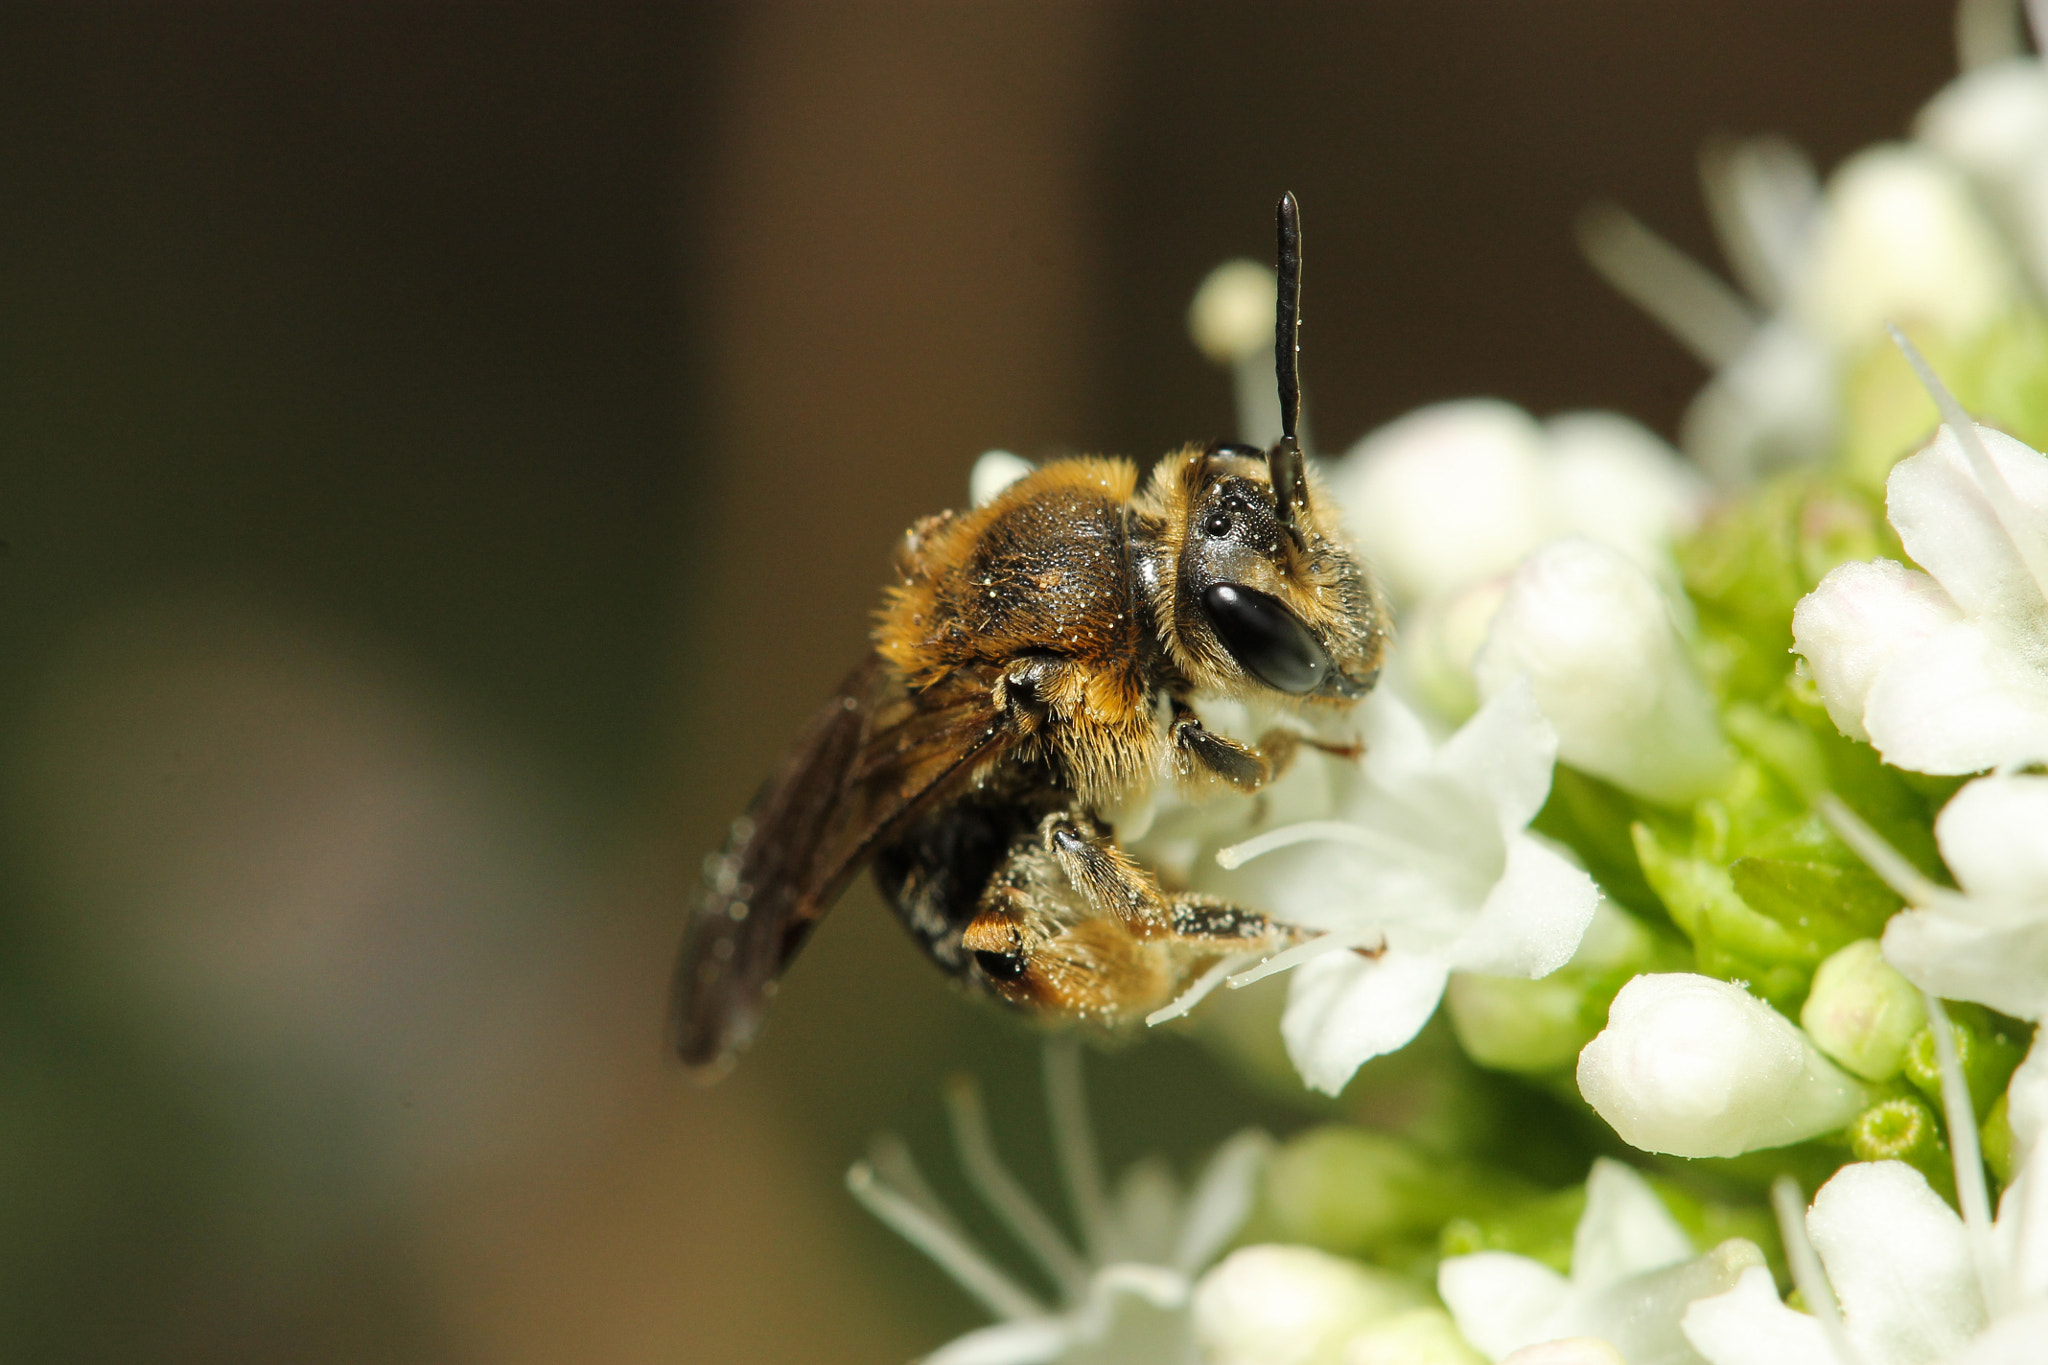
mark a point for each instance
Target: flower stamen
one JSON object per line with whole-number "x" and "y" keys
{"x": 1972, "y": 1196}
{"x": 1789, "y": 1204}
{"x": 938, "y": 1239}
{"x": 1073, "y": 1141}
{"x": 1002, "y": 1194}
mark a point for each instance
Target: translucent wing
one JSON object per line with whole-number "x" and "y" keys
{"x": 872, "y": 759}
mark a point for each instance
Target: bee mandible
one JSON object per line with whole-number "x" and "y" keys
{"x": 1037, "y": 664}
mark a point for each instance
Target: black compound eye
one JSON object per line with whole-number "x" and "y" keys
{"x": 1266, "y": 640}
{"x": 1001, "y": 966}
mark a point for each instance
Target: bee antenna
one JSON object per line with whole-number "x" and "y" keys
{"x": 1284, "y": 461}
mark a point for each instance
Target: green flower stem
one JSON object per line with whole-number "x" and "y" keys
{"x": 1905, "y": 1129}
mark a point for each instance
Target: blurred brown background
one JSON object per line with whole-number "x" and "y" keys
{"x": 446, "y": 450}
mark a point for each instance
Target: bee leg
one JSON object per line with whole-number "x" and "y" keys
{"x": 1245, "y": 767}
{"x": 1105, "y": 875}
{"x": 1212, "y": 923}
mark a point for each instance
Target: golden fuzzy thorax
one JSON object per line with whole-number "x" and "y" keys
{"x": 1040, "y": 572}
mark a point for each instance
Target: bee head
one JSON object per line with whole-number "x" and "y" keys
{"x": 1258, "y": 602}
{"x": 1265, "y": 591}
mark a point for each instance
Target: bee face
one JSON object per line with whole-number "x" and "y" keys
{"x": 1257, "y": 603}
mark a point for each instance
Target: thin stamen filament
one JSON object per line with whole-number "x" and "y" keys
{"x": 1706, "y": 316}
{"x": 1304, "y": 952}
{"x": 948, "y": 1250}
{"x": 1390, "y": 846}
{"x": 1199, "y": 991}
{"x": 1003, "y": 1195}
{"x": 1972, "y": 1195}
{"x": 1879, "y": 856}
{"x": 1790, "y": 1205}
{"x": 1073, "y": 1140}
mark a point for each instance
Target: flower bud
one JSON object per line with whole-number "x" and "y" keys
{"x": 1902, "y": 241}
{"x": 1439, "y": 642}
{"x": 1861, "y": 1012}
{"x": 1447, "y": 495}
{"x": 1596, "y": 639}
{"x": 1291, "y": 1305}
{"x": 1510, "y": 1024}
{"x": 993, "y": 472}
{"x": 1231, "y": 318}
{"x": 1420, "y": 1336}
{"x": 1697, "y": 1067}
{"x": 1772, "y": 406}
{"x": 1616, "y": 482}
{"x": 1350, "y": 1189}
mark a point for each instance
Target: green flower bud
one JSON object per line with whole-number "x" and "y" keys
{"x": 1862, "y": 1013}
{"x": 1996, "y": 1139}
{"x": 1988, "y": 1058}
{"x": 1510, "y": 1024}
{"x": 1905, "y": 1129}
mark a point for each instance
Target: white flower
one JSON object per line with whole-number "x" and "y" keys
{"x": 1459, "y": 492}
{"x": 1911, "y": 1289}
{"x": 1944, "y": 671}
{"x": 1426, "y": 867}
{"x": 1596, "y": 638}
{"x": 1697, "y": 1067}
{"x": 1906, "y": 1281}
{"x": 1125, "y": 1294}
{"x": 1988, "y": 942}
{"x": 1633, "y": 1273}
{"x": 1901, "y": 240}
{"x": 1292, "y": 1305}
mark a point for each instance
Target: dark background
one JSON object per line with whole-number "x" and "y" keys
{"x": 446, "y": 450}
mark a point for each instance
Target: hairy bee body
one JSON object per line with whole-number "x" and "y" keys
{"x": 1037, "y": 665}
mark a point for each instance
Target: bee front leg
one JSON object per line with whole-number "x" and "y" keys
{"x": 1245, "y": 767}
{"x": 1107, "y": 878}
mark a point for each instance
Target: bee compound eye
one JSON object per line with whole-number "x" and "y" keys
{"x": 1266, "y": 639}
{"x": 1001, "y": 966}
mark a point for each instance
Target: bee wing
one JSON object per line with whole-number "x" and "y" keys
{"x": 873, "y": 758}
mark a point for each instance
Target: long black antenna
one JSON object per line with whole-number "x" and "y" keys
{"x": 1283, "y": 461}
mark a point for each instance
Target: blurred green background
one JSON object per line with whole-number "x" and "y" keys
{"x": 446, "y": 450}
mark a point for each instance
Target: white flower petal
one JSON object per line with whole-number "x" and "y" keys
{"x": 1864, "y": 615}
{"x": 1948, "y": 525}
{"x": 1572, "y": 610}
{"x": 1533, "y": 919}
{"x": 2014, "y": 1339}
{"x": 1991, "y": 121}
{"x": 1501, "y": 1301}
{"x": 1505, "y": 754}
{"x": 1446, "y": 495}
{"x": 1567, "y": 1351}
{"x": 1949, "y": 956}
{"x": 2020, "y": 1236}
{"x": 1899, "y": 1263}
{"x": 1959, "y": 703}
{"x": 1034, "y": 1341}
{"x": 1994, "y": 837}
{"x": 1698, "y": 1067}
{"x": 1774, "y": 405}
{"x": 1748, "y": 1325}
{"x": 1291, "y": 1305}
{"x": 1615, "y": 481}
{"x": 1641, "y": 1315}
{"x": 1626, "y": 1230}
{"x": 1344, "y": 1009}
{"x": 2026, "y": 1098}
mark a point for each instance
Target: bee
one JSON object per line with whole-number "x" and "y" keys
{"x": 1037, "y": 665}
